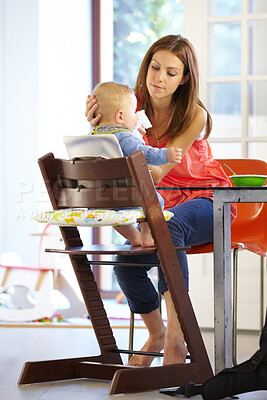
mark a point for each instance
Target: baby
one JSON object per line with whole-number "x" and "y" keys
{"x": 117, "y": 105}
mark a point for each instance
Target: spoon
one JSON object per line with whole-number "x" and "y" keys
{"x": 230, "y": 169}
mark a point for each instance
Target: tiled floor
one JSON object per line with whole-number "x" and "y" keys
{"x": 21, "y": 344}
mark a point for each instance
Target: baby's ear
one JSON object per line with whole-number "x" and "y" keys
{"x": 119, "y": 117}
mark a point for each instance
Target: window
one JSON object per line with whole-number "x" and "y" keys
{"x": 229, "y": 38}
{"x": 137, "y": 25}
{"x": 237, "y": 77}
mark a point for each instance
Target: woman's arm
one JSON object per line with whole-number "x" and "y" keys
{"x": 157, "y": 173}
{"x": 183, "y": 141}
{"x": 91, "y": 107}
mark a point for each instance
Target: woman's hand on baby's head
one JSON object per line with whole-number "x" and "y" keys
{"x": 91, "y": 107}
{"x": 174, "y": 155}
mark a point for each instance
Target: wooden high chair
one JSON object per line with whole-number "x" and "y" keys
{"x": 127, "y": 184}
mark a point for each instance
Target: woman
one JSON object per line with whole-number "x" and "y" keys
{"x": 167, "y": 89}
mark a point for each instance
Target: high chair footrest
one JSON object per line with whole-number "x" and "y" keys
{"x": 122, "y": 249}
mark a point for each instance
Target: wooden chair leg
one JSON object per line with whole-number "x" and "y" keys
{"x": 95, "y": 367}
{"x": 132, "y": 380}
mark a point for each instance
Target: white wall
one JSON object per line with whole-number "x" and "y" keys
{"x": 45, "y": 76}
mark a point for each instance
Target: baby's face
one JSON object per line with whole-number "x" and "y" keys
{"x": 129, "y": 109}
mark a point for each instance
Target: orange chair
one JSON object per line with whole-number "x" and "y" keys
{"x": 249, "y": 231}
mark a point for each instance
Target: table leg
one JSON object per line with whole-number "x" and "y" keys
{"x": 222, "y": 284}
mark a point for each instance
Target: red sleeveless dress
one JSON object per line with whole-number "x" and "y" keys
{"x": 197, "y": 169}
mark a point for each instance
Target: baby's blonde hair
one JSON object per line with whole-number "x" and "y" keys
{"x": 110, "y": 97}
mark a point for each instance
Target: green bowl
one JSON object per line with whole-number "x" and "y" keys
{"x": 248, "y": 180}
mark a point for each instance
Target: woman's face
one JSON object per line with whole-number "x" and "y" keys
{"x": 164, "y": 75}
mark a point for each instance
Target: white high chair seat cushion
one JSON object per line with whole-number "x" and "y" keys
{"x": 94, "y": 217}
{"x": 106, "y": 146}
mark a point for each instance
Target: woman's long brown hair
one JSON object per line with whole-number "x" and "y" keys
{"x": 185, "y": 98}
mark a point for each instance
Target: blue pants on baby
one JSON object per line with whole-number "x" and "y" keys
{"x": 192, "y": 224}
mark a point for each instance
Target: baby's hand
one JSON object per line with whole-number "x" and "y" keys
{"x": 142, "y": 130}
{"x": 174, "y": 155}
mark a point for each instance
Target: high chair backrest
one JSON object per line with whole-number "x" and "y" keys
{"x": 110, "y": 183}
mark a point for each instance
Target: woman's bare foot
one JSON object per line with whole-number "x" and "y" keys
{"x": 146, "y": 237}
{"x": 153, "y": 344}
{"x": 175, "y": 351}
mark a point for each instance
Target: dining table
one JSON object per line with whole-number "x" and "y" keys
{"x": 222, "y": 281}
{"x": 222, "y": 199}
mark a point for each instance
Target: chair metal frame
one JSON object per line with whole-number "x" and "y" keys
{"x": 62, "y": 182}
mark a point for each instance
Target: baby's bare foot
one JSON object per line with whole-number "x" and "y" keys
{"x": 134, "y": 237}
{"x": 146, "y": 237}
{"x": 147, "y": 242}
{"x": 130, "y": 233}
{"x": 135, "y": 242}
